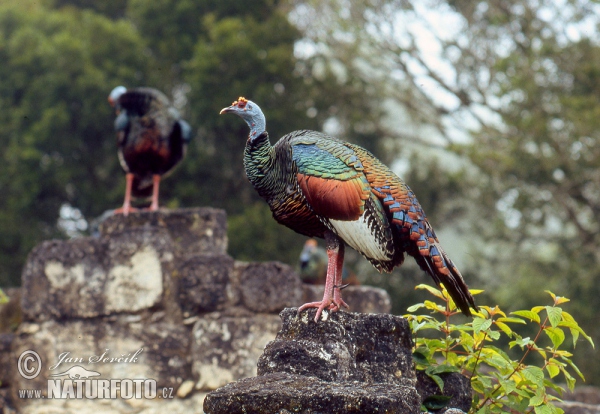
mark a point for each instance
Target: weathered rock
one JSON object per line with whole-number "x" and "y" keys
{"x": 7, "y": 361}
{"x": 585, "y": 394}
{"x": 226, "y": 348}
{"x": 575, "y": 407}
{"x": 64, "y": 278}
{"x": 203, "y": 283}
{"x": 361, "y": 299}
{"x": 201, "y": 230}
{"x": 149, "y": 350}
{"x": 162, "y": 283}
{"x": 268, "y": 287}
{"x": 456, "y": 386}
{"x": 347, "y": 346}
{"x": 134, "y": 266}
{"x": 345, "y": 363}
{"x": 11, "y": 313}
{"x": 283, "y": 392}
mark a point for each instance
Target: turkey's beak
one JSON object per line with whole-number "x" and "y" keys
{"x": 226, "y": 110}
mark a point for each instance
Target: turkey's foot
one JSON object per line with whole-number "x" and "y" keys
{"x": 330, "y": 304}
{"x": 125, "y": 210}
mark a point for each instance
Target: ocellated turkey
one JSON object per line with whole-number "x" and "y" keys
{"x": 323, "y": 187}
{"x": 151, "y": 138}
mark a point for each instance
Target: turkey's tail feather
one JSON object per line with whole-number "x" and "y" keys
{"x": 439, "y": 266}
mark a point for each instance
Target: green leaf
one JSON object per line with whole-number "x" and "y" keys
{"x": 527, "y": 314}
{"x": 434, "y": 306}
{"x": 508, "y": 386}
{"x": 554, "y": 315}
{"x": 534, "y": 374}
{"x": 485, "y": 381}
{"x": 504, "y": 327}
{"x": 522, "y": 342}
{"x": 570, "y": 323}
{"x": 543, "y": 409}
{"x": 442, "y": 369}
{"x": 436, "y": 402}
{"x": 556, "y": 335}
{"x": 511, "y": 320}
{"x": 569, "y": 378}
{"x": 495, "y": 335}
{"x": 480, "y": 324}
{"x": 419, "y": 358}
{"x": 553, "y": 370}
{"x": 430, "y": 289}
{"x": 538, "y": 398}
{"x": 416, "y": 307}
{"x": 553, "y": 367}
{"x": 575, "y": 368}
{"x": 438, "y": 380}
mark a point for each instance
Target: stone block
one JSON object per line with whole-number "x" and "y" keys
{"x": 268, "y": 287}
{"x": 346, "y": 346}
{"x": 200, "y": 230}
{"x": 122, "y": 347}
{"x": 456, "y": 386}
{"x": 204, "y": 283}
{"x": 65, "y": 279}
{"x": 226, "y": 348}
{"x": 134, "y": 266}
{"x": 289, "y": 393}
{"x": 345, "y": 363}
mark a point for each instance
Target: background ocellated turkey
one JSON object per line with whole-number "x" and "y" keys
{"x": 151, "y": 138}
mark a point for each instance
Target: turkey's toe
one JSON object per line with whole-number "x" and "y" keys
{"x": 319, "y": 305}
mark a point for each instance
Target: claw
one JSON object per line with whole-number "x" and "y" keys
{"x": 319, "y": 305}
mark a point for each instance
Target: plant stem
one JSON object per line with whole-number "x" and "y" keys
{"x": 529, "y": 348}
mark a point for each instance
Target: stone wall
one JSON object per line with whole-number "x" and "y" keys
{"x": 158, "y": 291}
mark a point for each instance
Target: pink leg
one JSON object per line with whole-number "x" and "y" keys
{"x": 332, "y": 297}
{"x": 126, "y": 209}
{"x": 155, "y": 185}
{"x": 338, "y": 302}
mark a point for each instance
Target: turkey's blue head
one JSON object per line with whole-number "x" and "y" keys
{"x": 249, "y": 112}
{"x": 115, "y": 94}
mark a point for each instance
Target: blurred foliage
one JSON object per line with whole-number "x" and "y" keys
{"x": 510, "y": 91}
{"x": 56, "y": 69}
{"x": 60, "y": 60}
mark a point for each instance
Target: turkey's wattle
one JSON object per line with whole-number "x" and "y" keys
{"x": 151, "y": 138}
{"x": 323, "y": 187}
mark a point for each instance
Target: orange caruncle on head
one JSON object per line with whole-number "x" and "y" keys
{"x": 240, "y": 103}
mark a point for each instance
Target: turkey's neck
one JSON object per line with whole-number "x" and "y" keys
{"x": 261, "y": 166}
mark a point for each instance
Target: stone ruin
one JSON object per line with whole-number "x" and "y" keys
{"x": 155, "y": 296}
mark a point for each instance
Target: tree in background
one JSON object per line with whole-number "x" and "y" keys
{"x": 510, "y": 89}
{"x": 57, "y": 136}
{"x": 490, "y": 105}
{"x": 60, "y": 60}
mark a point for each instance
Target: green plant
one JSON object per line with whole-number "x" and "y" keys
{"x": 500, "y": 384}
